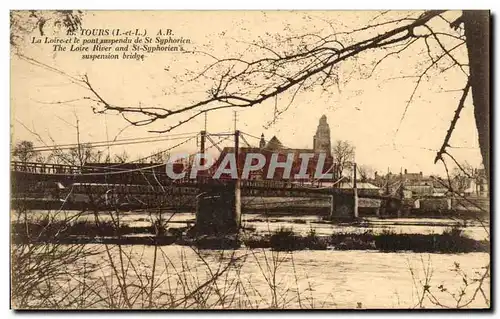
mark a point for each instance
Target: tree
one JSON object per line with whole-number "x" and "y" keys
{"x": 121, "y": 158}
{"x": 365, "y": 172}
{"x": 477, "y": 27}
{"x": 159, "y": 156}
{"x": 296, "y": 64}
{"x": 78, "y": 155}
{"x": 464, "y": 176}
{"x": 24, "y": 22}
{"x": 343, "y": 157}
{"x": 24, "y": 151}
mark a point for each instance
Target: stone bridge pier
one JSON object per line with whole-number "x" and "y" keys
{"x": 391, "y": 207}
{"x": 218, "y": 209}
{"x": 344, "y": 205}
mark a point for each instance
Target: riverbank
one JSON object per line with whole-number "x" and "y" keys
{"x": 451, "y": 240}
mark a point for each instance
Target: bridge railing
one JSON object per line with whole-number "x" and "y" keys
{"x": 42, "y": 168}
{"x": 137, "y": 176}
{"x": 276, "y": 184}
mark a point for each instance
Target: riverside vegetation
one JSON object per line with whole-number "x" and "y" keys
{"x": 66, "y": 263}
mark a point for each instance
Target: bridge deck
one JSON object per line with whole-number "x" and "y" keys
{"x": 148, "y": 181}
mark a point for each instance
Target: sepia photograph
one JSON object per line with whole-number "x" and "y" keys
{"x": 250, "y": 160}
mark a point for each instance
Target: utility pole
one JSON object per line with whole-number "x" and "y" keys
{"x": 355, "y": 176}
{"x": 206, "y": 121}
{"x": 400, "y": 193}
{"x": 237, "y": 149}
{"x": 401, "y": 179}
{"x": 235, "y": 119}
{"x": 203, "y": 135}
{"x": 237, "y": 186}
{"x": 355, "y": 186}
{"x": 387, "y": 192}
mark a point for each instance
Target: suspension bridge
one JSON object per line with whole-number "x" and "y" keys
{"x": 218, "y": 200}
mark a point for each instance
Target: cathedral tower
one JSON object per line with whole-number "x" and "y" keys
{"x": 262, "y": 142}
{"x": 321, "y": 141}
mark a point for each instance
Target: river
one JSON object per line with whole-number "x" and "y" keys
{"x": 300, "y": 224}
{"x": 323, "y": 279}
{"x": 304, "y": 279}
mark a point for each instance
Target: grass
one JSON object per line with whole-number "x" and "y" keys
{"x": 315, "y": 242}
{"x": 350, "y": 241}
{"x": 284, "y": 239}
{"x": 452, "y": 240}
{"x": 49, "y": 230}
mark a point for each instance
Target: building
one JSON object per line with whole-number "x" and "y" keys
{"x": 414, "y": 184}
{"x": 321, "y": 140}
{"x": 418, "y": 185}
{"x": 417, "y": 179}
{"x": 321, "y": 144}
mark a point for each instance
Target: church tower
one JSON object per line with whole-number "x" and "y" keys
{"x": 321, "y": 141}
{"x": 262, "y": 142}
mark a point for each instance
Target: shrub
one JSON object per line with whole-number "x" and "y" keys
{"x": 285, "y": 239}
{"x": 454, "y": 231}
{"x": 313, "y": 241}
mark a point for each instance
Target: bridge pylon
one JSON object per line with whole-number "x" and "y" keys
{"x": 218, "y": 208}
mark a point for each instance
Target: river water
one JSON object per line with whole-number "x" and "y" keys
{"x": 301, "y": 224}
{"x": 319, "y": 279}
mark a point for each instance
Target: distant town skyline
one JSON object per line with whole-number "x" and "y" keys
{"x": 366, "y": 111}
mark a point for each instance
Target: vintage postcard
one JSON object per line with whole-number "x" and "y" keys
{"x": 250, "y": 159}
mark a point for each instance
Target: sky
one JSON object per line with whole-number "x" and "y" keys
{"x": 365, "y": 111}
